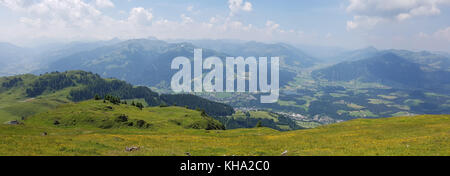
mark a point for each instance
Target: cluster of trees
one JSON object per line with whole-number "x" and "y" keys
{"x": 11, "y": 82}
{"x": 113, "y": 99}
{"x": 114, "y": 87}
{"x": 251, "y": 122}
{"x": 116, "y": 100}
{"x": 49, "y": 82}
{"x": 127, "y": 91}
{"x": 82, "y": 77}
{"x": 138, "y": 105}
{"x": 194, "y": 102}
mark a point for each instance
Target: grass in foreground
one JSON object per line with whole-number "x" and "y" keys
{"x": 170, "y": 133}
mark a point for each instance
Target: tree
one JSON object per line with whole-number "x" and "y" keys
{"x": 163, "y": 105}
{"x": 203, "y": 114}
{"x": 259, "y": 124}
{"x": 140, "y": 105}
{"x": 97, "y": 97}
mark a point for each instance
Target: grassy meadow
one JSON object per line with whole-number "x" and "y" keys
{"x": 14, "y": 103}
{"x": 173, "y": 131}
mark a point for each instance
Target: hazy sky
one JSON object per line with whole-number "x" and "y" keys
{"x": 401, "y": 24}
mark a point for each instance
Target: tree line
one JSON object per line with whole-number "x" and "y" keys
{"x": 87, "y": 85}
{"x": 11, "y": 82}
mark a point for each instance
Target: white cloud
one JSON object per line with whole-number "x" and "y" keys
{"x": 140, "y": 16}
{"x": 272, "y": 26}
{"x": 366, "y": 22}
{"x": 71, "y": 13}
{"x": 375, "y": 11}
{"x": 186, "y": 19}
{"x": 247, "y": 7}
{"x": 13, "y": 4}
{"x": 71, "y": 20}
{"x": 435, "y": 41}
{"x": 35, "y": 23}
{"x": 104, "y": 3}
{"x": 190, "y": 8}
{"x": 403, "y": 16}
{"x": 443, "y": 34}
{"x": 239, "y": 5}
{"x": 213, "y": 20}
{"x": 351, "y": 25}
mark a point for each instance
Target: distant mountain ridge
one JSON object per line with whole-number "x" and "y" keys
{"x": 386, "y": 68}
{"x": 19, "y": 60}
{"x": 54, "y": 52}
{"x": 147, "y": 62}
{"x": 140, "y": 61}
{"x": 15, "y": 59}
{"x": 431, "y": 61}
{"x": 289, "y": 55}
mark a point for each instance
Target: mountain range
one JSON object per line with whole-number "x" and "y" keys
{"x": 335, "y": 80}
{"x": 141, "y": 61}
{"x": 390, "y": 68}
{"x": 146, "y": 61}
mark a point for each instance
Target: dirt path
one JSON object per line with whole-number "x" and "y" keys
{"x": 28, "y": 100}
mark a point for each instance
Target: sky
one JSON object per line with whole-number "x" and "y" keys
{"x": 351, "y": 24}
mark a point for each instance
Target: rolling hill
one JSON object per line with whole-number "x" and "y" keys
{"x": 98, "y": 128}
{"x": 26, "y": 95}
{"x": 106, "y": 115}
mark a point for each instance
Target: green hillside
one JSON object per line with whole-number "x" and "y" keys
{"x": 15, "y": 104}
{"x": 25, "y": 95}
{"x": 106, "y": 115}
{"x": 98, "y": 128}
